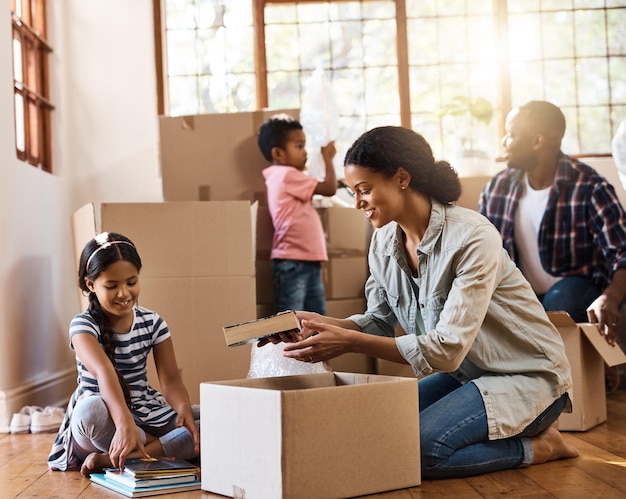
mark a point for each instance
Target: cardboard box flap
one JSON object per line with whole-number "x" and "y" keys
{"x": 561, "y": 319}
{"x": 83, "y": 228}
{"x": 612, "y": 355}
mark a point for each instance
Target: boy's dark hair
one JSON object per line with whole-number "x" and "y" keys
{"x": 273, "y": 133}
{"x": 102, "y": 251}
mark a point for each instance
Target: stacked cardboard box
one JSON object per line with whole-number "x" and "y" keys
{"x": 198, "y": 273}
{"x": 213, "y": 157}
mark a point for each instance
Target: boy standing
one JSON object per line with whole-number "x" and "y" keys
{"x": 299, "y": 245}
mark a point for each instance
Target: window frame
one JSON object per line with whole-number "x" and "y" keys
{"x": 32, "y": 90}
{"x": 502, "y": 101}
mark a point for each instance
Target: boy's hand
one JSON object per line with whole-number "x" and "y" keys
{"x": 329, "y": 151}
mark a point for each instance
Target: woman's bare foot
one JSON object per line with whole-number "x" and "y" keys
{"x": 95, "y": 462}
{"x": 550, "y": 445}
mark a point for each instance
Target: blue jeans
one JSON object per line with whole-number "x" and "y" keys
{"x": 454, "y": 437}
{"x": 298, "y": 285}
{"x": 572, "y": 294}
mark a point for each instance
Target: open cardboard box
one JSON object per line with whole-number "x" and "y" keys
{"x": 198, "y": 274}
{"x": 309, "y": 436}
{"x": 587, "y": 352}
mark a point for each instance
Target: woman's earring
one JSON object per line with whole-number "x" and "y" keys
{"x": 403, "y": 187}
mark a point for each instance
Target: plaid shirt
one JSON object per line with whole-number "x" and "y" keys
{"x": 583, "y": 230}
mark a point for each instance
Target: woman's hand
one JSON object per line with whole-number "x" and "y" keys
{"x": 126, "y": 439}
{"x": 292, "y": 337}
{"x": 322, "y": 342}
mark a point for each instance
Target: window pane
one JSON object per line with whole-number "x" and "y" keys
{"x": 182, "y": 55}
{"x": 421, "y": 33}
{"x": 593, "y": 87}
{"x": 522, "y": 5}
{"x": 617, "y": 73}
{"x": 557, "y": 72}
{"x": 594, "y": 129}
{"x": 284, "y": 89}
{"x": 20, "y": 125}
{"x": 17, "y": 60}
{"x": 616, "y": 31}
{"x": 345, "y": 39}
{"x": 524, "y": 37}
{"x": 32, "y": 68}
{"x": 590, "y": 33}
{"x": 558, "y": 38}
{"x": 282, "y": 56}
{"x": 525, "y": 89}
{"x": 209, "y": 48}
{"x": 33, "y": 133}
{"x": 314, "y": 55}
{"x": 183, "y": 93}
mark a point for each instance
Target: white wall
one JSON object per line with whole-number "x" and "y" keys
{"x": 105, "y": 149}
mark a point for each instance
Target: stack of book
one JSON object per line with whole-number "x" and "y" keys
{"x": 148, "y": 477}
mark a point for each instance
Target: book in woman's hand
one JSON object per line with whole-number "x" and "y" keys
{"x": 251, "y": 331}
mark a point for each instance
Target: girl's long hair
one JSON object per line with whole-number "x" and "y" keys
{"x": 98, "y": 254}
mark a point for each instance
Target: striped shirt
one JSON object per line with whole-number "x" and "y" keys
{"x": 583, "y": 230}
{"x": 148, "y": 406}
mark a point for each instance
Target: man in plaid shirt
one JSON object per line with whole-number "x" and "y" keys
{"x": 560, "y": 221}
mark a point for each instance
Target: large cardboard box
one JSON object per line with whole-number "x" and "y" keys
{"x": 311, "y": 436}
{"x": 198, "y": 274}
{"x": 345, "y": 274}
{"x": 349, "y": 362}
{"x": 471, "y": 188}
{"x": 347, "y": 240}
{"x": 345, "y": 228}
{"x": 587, "y": 352}
{"x": 213, "y": 157}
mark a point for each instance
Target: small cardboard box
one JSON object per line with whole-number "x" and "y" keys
{"x": 587, "y": 352}
{"x": 310, "y": 436}
{"x": 198, "y": 274}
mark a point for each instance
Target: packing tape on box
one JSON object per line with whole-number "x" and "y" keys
{"x": 187, "y": 123}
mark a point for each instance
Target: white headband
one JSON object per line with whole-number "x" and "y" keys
{"x": 103, "y": 245}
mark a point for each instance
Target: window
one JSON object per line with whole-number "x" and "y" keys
{"x": 403, "y": 61}
{"x": 30, "y": 75}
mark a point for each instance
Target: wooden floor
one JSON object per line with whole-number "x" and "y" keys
{"x": 599, "y": 471}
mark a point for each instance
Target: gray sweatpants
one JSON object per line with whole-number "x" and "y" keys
{"x": 92, "y": 431}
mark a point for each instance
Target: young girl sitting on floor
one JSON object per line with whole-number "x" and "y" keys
{"x": 114, "y": 414}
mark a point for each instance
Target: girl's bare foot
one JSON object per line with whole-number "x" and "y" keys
{"x": 95, "y": 462}
{"x": 550, "y": 445}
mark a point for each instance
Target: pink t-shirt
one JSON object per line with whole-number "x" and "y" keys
{"x": 298, "y": 231}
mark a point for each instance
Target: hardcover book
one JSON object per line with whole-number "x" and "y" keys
{"x": 162, "y": 466}
{"x": 153, "y": 490}
{"x": 131, "y": 482}
{"x": 248, "y": 332}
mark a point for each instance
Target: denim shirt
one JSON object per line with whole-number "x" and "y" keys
{"x": 482, "y": 321}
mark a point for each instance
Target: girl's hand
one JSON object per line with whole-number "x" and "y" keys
{"x": 185, "y": 419}
{"x": 323, "y": 342}
{"x": 127, "y": 439}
